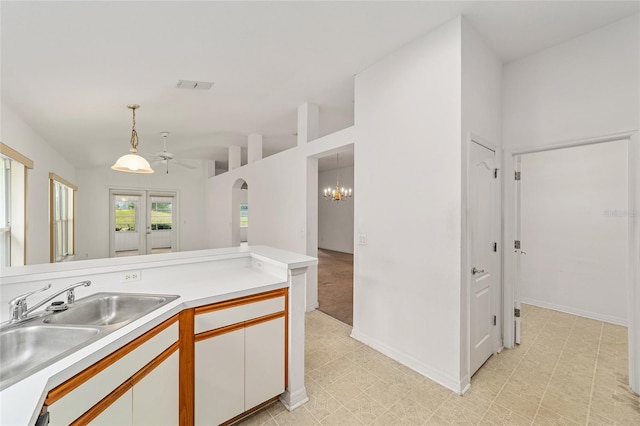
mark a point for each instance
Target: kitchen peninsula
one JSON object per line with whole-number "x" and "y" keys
{"x": 232, "y": 341}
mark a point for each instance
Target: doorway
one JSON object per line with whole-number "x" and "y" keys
{"x": 142, "y": 222}
{"x": 335, "y": 236}
{"x": 240, "y": 213}
{"x": 590, "y": 222}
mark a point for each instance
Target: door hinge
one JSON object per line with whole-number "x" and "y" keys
{"x": 516, "y": 312}
{"x": 495, "y": 173}
{"x": 495, "y": 247}
{"x": 517, "y": 176}
{"x": 495, "y": 320}
{"x": 516, "y": 244}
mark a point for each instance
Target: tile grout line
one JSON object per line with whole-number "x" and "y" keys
{"x": 515, "y": 368}
{"x": 555, "y": 367}
{"x": 595, "y": 369}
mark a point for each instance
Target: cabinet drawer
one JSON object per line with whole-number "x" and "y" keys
{"x": 74, "y": 403}
{"x": 237, "y": 314}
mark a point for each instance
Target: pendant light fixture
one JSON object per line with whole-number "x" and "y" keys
{"x": 132, "y": 162}
{"x": 338, "y": 193}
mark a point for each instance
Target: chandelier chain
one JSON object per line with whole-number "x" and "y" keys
{"x": 134, "y": 133}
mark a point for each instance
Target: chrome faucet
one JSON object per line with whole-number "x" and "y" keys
{"x": 18, "y": 305}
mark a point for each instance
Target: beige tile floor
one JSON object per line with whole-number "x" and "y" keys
{"x": 567, "y": 371}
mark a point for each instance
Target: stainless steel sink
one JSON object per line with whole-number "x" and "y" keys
{"x": 39, "y": 341}
{"x": 25, "y": 349}
{"x": 104, "y": 309}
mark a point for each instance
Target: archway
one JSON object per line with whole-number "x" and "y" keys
{"x": 240, "y": 213}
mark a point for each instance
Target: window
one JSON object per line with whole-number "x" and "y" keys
{"x": 62, "y": 232}
{"x": 126, "y": 208}
{"x": 13, "y": 191}
{"x": 244, "y": 215}
{"x": 161, "y": 213}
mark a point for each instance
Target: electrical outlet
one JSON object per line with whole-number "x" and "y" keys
{"x": 362, "y": 239}
{"x": 130, "y": 276}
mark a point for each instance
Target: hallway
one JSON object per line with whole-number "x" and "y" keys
{"x": 335, "y": 284}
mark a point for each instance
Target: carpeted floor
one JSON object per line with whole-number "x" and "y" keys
{"x": 335, "y": 284}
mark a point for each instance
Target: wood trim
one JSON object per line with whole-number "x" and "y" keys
{"x": 63, "y": 181}
{"x": 63, "y": 389}
{"x": 51, "y": 221}
{"x": 6, "y": 150}
{"x": 250, "y": 411}
{"x": 241, "y": 301}
{"x": 233, "y": 327}
{"x": 24, "y": 211}
{"x": 142, "y": 373}
{"x": 218, "y": 331}
{"x": 187, "y": 399}
{"x": 260, "y": 320}
{"x": 102, "y": 405}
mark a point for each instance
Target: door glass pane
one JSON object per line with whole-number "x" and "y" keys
{"x": 126, "y": 225}
{"x": 161, "y": 236}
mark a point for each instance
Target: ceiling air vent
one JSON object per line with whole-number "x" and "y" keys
{"x": 194, "y": 85}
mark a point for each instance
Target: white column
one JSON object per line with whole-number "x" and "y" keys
{"x": 234, "y": 157}
{"x": 308, "y": 119}
{"x": 255, "y": 148}
{"x": 211, "y": 168}
{"x": 296, "y": 394}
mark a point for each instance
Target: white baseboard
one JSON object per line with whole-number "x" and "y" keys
{"x": 457, "y": 386}
{"x": 575, "y": 311}
{"x": 312, "y": 307}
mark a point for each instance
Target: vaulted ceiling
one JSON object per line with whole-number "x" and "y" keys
{"x": 70, "y": 68}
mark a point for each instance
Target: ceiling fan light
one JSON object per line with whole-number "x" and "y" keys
{"x": 132, "y": 163}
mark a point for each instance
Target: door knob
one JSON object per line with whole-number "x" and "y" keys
{"x": 475, "y": 270}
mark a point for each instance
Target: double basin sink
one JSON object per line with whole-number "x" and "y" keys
{"x": 36, "y": 343}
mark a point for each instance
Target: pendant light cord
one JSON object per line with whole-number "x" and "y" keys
{"x": 134, "y": 134}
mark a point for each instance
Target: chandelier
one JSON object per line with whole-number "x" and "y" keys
{"x": 132, "y": 162}
{"x": 338, "y": 193}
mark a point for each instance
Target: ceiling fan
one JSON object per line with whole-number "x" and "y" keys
{"x": 165, "y": 157}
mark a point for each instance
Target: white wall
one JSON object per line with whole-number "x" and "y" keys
{"x": 583, "y": 88}
{"x": 280, "y": 186}
{"x": 482, "y": 122}
{"x": 17, "y": 134}
{"x": 574, "y": 230}
{"x": 335, "y": 219}
{"x": 407, "y": 284}
{"x": 93, "y": 206}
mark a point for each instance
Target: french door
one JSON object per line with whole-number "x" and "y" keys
{"x": 142, "y": 222}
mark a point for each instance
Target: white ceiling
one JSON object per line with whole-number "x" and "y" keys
{"x": 70, "y": 68}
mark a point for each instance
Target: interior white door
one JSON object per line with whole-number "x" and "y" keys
{"x": 483, "y": 240}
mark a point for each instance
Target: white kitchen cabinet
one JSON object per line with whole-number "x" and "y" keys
{"x": 155, "y": 396}
{"x": 264, "y": 362}
{"x": 239, "y": 357}
{"x": 219, "y": 378}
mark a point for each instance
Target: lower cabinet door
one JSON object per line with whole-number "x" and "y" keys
{"x": 155, "y": 397}
{"x": 118, "y": 413}
{"x": 264, "y": 362}
{"x": 219, "y": 378}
